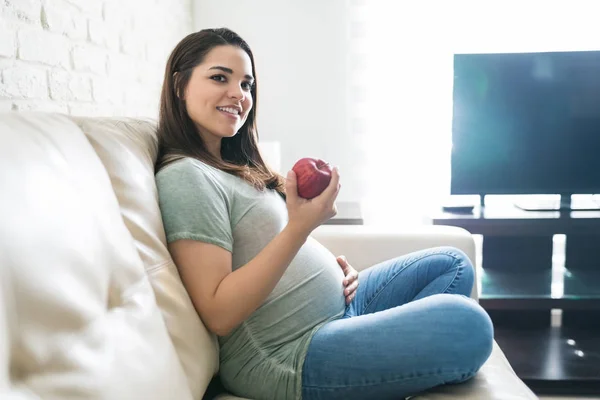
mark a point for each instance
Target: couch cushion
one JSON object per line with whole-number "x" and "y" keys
{"x": 128, "y": 149}
{"x": 496, "y": 380}
{"x": 84, "y": 320}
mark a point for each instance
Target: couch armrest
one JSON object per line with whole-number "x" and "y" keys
{"x": 365, "y": 245}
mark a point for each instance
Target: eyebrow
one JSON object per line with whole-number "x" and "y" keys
{"x": 230, "y": 71}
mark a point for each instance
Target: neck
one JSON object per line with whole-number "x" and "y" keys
{"x": 212, "y": 143}
{"x": 215, "y": 149}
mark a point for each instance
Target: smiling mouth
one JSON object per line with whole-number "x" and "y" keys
{"x": 229, "y": 110}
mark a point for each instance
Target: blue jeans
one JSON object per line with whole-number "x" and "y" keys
{"x": 410, "y": 327}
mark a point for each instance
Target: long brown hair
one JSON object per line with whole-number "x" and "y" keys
{"x": 177, "y": 134}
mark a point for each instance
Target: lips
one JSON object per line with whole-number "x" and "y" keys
{"x": 230, "y": 110}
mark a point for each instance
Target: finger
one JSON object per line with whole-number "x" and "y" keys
{"x": 344, "y": 268}
{"x": 350, "y": 298}
{"x": 335, "y": 195}
{"x": 342, "y": 260}
{"x": 347, "y": 276}
{"x": 291, "y": 185}
{"x": 351, "y": 288}
{"x": 333, "y": 188}
{"x": 350, "y": 276}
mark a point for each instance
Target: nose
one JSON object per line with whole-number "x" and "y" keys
{"x": 236, "y": 92}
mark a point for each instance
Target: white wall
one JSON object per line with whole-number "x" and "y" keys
{"x": 88, "y": 57}
{"x": 300, "y": 49}
{"x": 415, "y": 41}
{"x": 388, "y": 127}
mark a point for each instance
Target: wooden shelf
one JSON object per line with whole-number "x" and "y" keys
{"x": 517, "y": 291}
{"x": 517, "y": 256}
{"x": 506, "y": 290}
{"x": 508, "y": 220}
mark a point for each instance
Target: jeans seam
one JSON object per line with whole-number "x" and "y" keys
{"x": 378, "y": 292}
{"x": 456, "y": 277}
{"x": 450, "y": 373}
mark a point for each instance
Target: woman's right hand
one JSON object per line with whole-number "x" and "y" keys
{"x": 307, "y": 215}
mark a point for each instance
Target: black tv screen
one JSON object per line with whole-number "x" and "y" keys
{"x": 526, "y": 123}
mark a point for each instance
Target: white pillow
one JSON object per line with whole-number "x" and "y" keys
{"x": 83, "y": 321}
{"x": 128, "y": 149}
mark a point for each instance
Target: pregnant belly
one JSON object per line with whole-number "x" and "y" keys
{"x": 309, "y": 293}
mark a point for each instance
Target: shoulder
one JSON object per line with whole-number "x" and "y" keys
{"x": 191, "y": 171}
{"x": 190, "y": 186}
{"x": 192, "y": 180}
{"x": 183, "y": 166}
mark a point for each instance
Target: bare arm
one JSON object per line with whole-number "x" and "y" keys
{"x": 223, "y": 298}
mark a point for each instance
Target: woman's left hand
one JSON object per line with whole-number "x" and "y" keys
{"x": 350, "y": 279}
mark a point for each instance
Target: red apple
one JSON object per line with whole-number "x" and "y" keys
{"x": 312, "y": 175}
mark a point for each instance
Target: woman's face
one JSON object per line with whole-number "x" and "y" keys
{"x": 218, "y": 97}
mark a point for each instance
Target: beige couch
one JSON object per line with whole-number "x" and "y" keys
{"x": 91, "y": 305}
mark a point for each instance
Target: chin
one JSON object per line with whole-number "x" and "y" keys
{"x": 229, "y": 133}
{"x": 226, "y": 130}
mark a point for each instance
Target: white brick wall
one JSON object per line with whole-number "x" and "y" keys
{"x": 88, "y": 57}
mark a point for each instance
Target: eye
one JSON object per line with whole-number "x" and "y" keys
{"x": 219, "y": 78}
{"x": 247, "y": 85}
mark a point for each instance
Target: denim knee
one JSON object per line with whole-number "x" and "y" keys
{"x": 460, "y": 256}
{"x": 473, "y": 321}
{"x": 467, "y": 271}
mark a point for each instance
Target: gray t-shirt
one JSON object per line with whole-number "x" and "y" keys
{"x": 261, "y": 358}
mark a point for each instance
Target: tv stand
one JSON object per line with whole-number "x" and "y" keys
{"x": 521, "y": 283}
{"x": 564, "y": 204}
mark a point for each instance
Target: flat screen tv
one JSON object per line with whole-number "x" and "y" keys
{"x": 526, "y": 123}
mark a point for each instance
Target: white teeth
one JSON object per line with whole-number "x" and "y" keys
{"x": 229, "y": 110}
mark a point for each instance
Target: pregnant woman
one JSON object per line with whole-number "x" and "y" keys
{"x": 293, "y": 320}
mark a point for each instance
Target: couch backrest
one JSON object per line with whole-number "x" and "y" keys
{"x": 128, "y": 150}
{"x": 79, "y": 312}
